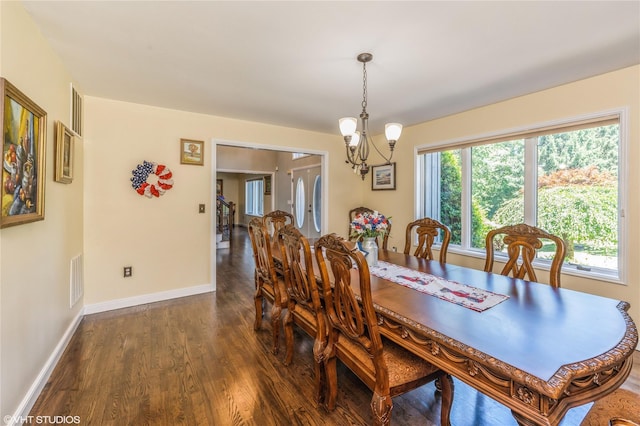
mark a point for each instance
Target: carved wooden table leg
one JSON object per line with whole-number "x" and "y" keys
{"x": 445, "y": 383}
{"x": 522, "y": 421}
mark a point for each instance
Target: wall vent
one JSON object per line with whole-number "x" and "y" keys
{"x": 76, "y": 111}
{"x": 76, "y": 280}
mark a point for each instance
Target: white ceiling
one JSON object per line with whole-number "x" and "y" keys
{"x": 294, "y": 63}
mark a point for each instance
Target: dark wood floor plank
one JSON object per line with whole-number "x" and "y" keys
{"x": 197, "y": 361}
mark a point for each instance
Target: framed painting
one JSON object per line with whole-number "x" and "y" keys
{"x": 24, "y": 130}
{"x": 267, "y": 185}
{"x": 191, "y": 152}
{"x": 219, "y": 192}
{"x": 383, "y": 177}
{"x": 64, "y": 153}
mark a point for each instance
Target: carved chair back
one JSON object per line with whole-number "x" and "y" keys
{"x": 299, "y": 277}
{"x": 275, "y": 220}
{"x": 619, "y": 421}
{"x": 359, "y": 210}
{"x": 522, "y": 242}
{"x": 354, "y": 335}
{"x": 304, "y": 307}
{"x": 427, "y": 230}
{"x": 268, "y": 285}
{"x": 350, "y": 316}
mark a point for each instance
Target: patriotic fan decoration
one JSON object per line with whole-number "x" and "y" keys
{"x": 141, "y": 175}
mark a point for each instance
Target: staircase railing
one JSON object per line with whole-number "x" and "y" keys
{"x": 225, "y": 216}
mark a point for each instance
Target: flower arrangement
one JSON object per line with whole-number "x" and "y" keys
{"x": 369, "y": 225}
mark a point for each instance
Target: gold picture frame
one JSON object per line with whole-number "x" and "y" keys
{"x": 63, "y": 172}
{"x": 24, "y": 131}
{"x": 191, "y": 152}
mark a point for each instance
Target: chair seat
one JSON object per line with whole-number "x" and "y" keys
{"x": 269, "y": 293}
{"x": 306, "y": 319}
{"x": 620, "y": 403}
{"x": 403, "y": 366}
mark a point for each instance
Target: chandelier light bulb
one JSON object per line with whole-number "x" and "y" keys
{"x": 348, "y": 125}
{"x": 355, "y": 139}
{"x": 393, "y": 131}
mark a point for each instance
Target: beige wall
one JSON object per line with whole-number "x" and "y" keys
{"x": 605, "y": 92}
{"x": 34, "y": 267}
{"x": 244, "y": 159}
{"x": 165, "y": 239}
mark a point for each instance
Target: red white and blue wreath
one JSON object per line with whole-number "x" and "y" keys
{"x": 141, "y": 174}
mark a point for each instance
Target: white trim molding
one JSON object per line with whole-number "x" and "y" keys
{"x": 22, "y": 412}
{"x": 146, "y": 298}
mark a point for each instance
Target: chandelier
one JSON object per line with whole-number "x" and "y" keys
{"x": 357, "y": 142}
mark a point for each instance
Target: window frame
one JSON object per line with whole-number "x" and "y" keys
{"x": 619, "y": 115}
{"x": 256, "y": 193}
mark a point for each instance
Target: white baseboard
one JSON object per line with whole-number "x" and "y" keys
{"x": 146, "y": 298}
{"x": 41, "y": 380}
{"x": 22, "y": 413}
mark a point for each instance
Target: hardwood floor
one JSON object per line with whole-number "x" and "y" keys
{"x": 198, "y": 361}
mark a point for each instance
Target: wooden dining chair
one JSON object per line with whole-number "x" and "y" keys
{"x": 620, "y": 408}
{"x": 619, "y": 421}
{"x": 304, "y": 307}
{"x": 522, "y": 241}
{"x": 354, "y": 337}
{"x": 427, "y": 230}
{"x": 273, "y": 221}
{"x": 269, "y": 285}
{"x": 359, "y": 210}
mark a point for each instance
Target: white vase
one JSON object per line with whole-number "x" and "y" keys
{"x": 370, "y": 249}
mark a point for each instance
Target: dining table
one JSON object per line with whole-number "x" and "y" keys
{"x": 536, "y": 349}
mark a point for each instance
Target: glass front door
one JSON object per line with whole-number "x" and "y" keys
{"x": 307, "y": 200}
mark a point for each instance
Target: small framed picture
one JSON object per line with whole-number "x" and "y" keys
{"x": 64, "y": 153}
{"x": 191, "y": 152}
{"x": 383, "y": 177}
{"x": 219, "y": 188}
{"x": 267, "y": 185}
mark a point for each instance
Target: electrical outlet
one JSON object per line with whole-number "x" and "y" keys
{"x": 394, "y": 249}
{"x": 128, "y": 271}
{"x": 200, "y": 208}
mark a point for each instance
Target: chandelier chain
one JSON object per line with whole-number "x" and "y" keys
{"x": 364, "y": 86}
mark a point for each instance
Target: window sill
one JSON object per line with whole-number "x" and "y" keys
{"x": 608, "y": 276}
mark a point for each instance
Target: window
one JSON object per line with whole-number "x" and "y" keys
{"x": 300, "y": 202}
{"x": 254, "y": 197}
{"x": 317, "y": 203}
{"x": 564, "y": 178}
